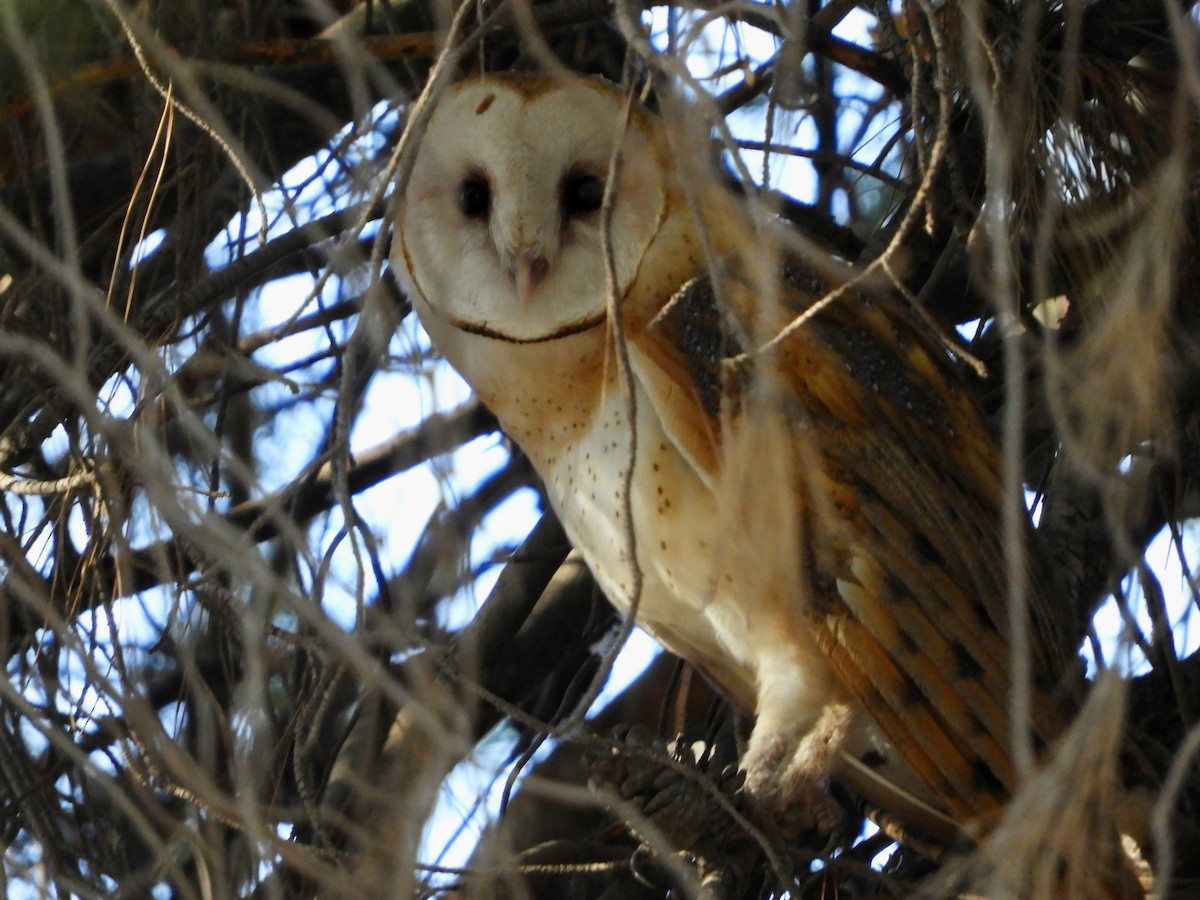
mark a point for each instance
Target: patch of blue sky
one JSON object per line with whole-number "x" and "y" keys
{"x": 637, "y": 653}
{"x": 398, "y": 510}
{"x": 497, "y": 536}
{"x": 855, "y": 26}
{"x": 34, "y": 693}
{"x": 304, "y": 359}
{"x": 968, "y": 331}
{"x": 26, "y": 877}
{"x": 472, "y": 794}
{"x": 117, "y": 395}
{"x": 57, "y": 445}
{"x": 36, "y": 535}
{"x": 1115, "y": 619}
{"x": 146, "y": 247}
{"x": 295, "y": 433}
{"x": 720, "y": 57}
{"x": 89, "y": 674}
{"x": 87, "y": 669}
{"x": 138, "y": 621}
{"x": 777, "y": 170}
{"x": 403, "y": 397}
{"x": 278, "y": 302}
{"x": 285, "y": 300}
{"x": 328, "y": 180}
{"x": 469, "y": 800}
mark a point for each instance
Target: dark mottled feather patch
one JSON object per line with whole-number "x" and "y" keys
{"x": 804, "y": 278}
{"x": 982, "y": 615}
{"x": 694, "y": 321}
{"x": 985, "y": 779}
{"x": 874, "y": 365}
{"x": 897, "y": 590}
{"x": 911, "y": 694}
{"x": 907, "y": 643}
{"x": 965, "y": 664}
{"x": 927, "y": 551}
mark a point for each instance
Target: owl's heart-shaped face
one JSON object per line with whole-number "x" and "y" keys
{"x": 500, "y": 225}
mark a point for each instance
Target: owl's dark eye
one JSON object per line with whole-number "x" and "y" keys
{"x": 474, "y": 197}
{"x": 582, "y": 194}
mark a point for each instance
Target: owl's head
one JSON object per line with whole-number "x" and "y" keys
{"x": 499, "y": 229}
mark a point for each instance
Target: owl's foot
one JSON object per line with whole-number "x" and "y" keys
{"x": 794, "y": 804}
{"x": 786, "y": 778}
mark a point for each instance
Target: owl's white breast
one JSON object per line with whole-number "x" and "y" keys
{"x": 673, "y": 533}
{"x": 700, "y": 595}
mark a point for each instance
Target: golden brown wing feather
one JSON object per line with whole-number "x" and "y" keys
{"x": 919, "y": 571}
{"x": 898, "y": 484}
{"x": 916, "y": 621}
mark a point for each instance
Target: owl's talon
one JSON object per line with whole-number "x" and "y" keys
{"x": 805, "y": 810}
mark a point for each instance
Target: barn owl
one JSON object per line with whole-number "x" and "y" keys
{"x": 807, "y": 508}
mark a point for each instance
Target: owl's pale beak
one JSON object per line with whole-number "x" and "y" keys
{"x": 528, "y": 274}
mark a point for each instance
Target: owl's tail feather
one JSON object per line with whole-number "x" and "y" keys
{"x": 1057, "y": 836}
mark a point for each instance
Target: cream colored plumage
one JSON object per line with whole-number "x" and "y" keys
{"x": 816, "y": 512}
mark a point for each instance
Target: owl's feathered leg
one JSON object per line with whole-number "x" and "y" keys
{"x": 795, "y": 742}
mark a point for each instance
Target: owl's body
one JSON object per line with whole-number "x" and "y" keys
{"x": 563, "y": 402}
{"x": 816, "y": 513}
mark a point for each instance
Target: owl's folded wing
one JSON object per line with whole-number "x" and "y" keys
{"x": 897, "y": 492}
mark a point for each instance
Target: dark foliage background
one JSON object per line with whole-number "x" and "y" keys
{"x": 256, "y": 597}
